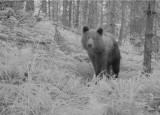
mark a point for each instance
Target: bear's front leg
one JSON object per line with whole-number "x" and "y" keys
{"x": 100, "y": 64}
{"x": 108, "y": 70}
{"x": 92, "y": 58}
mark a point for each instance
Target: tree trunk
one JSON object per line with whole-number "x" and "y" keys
{"x": 112, "y": 18}
{"x": 84, "y": 12}
{"x": 74, "y": 13}
{"x": 101, "y": 21}
{"x": 29, "y": 5}
{"x": 148, "y": 36}
{"x": 55, "y": 16}
{"x": 122, "y": 23}
{"x": 18, "y": 5}
{"x": 91, "y": 15}
{"x": 132, "y": 4}
{"x": 64, "y": 12}
{"x": 53, "y": 10}
{"x": 137, "y": 20}
{"x": 96, "y": 14}
{"x": 70, "y": 13}
{"x": 44, "y": 6}
{"x": 49, "y": 9}
{"x": 65, "y": 21}
{"x": 77, "y": 14}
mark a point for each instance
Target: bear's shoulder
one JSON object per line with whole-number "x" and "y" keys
{"x": 109, "y": 35}
{"x": 109, "y": 40}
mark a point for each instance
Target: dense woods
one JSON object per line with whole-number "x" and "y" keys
{"x": 124, "y": 19}
{"x": 44, "y": 69}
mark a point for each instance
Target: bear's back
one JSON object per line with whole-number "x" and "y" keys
{"x": 109, "y": 40}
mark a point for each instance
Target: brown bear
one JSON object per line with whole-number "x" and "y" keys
{"x": 102, "y": 49}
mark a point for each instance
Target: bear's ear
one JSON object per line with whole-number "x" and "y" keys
{"x": 85, "y": 29}
{"x": 100, "y": 31}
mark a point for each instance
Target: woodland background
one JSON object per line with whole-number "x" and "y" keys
{"x": 45, "y": 71}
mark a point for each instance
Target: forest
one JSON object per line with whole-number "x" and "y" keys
{"x": 45, "y": 70}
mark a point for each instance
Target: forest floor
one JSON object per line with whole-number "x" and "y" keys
{"x": 44, "y": 72}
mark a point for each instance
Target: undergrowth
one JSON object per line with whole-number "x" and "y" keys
{"x": 46, "y": 81}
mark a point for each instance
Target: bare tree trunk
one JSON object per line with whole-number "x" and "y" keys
{"x": 77, "y": 14}
{"x": 74, "y": 13}
{"x": 70, "y": 13}
{"x": 101, "y": 22}
{"x": 155, "y": 26}
{"x": 44, "y": 6}
{"x": 91, "y": 15}
{"x": 122, "y": 23}
{"x": 84, "y": 12}
{"x": 96, "y": 14}
{"x": 65, "y": 21}
{"x": 112, "y": 18}
{"x": 29, "y": 5}
{"x": 49, "y": 9}
{"x": 64, "y": 12}
{"x": 132, "y": 6}
{"x": 55, "y": 9}
{"x": 148, "y": 36}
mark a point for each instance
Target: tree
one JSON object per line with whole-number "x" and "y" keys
{"x": 70, "y": 13}
{"x": 44, "y": 6}
{"x": 49, "y": 9}
{"x": 101, "y": 21}
{"x": 148, "y": 36}
{"x": 84, "y": 12}
{"x": 29, "y": 5}
{"x": 65, "y": 12}
{"x": 55, "y": 5}
{"x": 137, "y": 19}
{"x": 112, "y": 17}
{"x": 91, "y": 15}
{"x": 122, "y": 22}
{"x": 132, "y": 10}
{"x": 96, "y": 14}
{"x": 77, "y": 14}
{"x": 18, "y": 5}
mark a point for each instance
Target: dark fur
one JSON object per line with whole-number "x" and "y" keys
{"x": 102, "y": 49}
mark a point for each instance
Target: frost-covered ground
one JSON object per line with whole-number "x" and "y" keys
{"x": 50, "y": 79}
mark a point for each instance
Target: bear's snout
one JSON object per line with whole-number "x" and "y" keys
{"x": 90, "y": 43}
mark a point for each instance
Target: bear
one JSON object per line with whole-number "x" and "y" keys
{"x": 102, "y": 49}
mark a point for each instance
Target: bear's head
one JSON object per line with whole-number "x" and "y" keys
{"x": 92, "y": 39}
